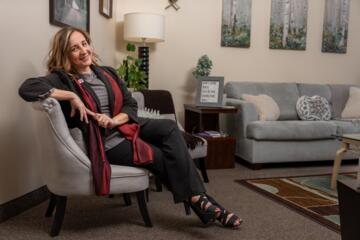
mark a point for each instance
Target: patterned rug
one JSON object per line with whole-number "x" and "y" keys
{"x": 308, "y": 195}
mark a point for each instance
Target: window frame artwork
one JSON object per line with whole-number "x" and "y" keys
{"x": 288, "y": 24}
{"x": 106, "y": 8}
{"x": 236, "y": 23}
{"x": 63, "y": 13}
{"x": 335, "y": 27}
{"x": 209, "y": 91}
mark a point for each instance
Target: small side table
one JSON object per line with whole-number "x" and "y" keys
{"x": 221, "y": 150}
{"x": 350, "y": 142}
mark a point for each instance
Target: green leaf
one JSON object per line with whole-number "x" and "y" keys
{"x": 130, "y": 47}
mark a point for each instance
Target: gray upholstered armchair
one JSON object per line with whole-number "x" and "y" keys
{"x": 66, "y": 168}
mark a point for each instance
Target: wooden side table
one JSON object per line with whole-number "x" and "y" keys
{"x": 221, "y": 150}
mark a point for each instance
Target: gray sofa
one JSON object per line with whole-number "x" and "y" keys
{"x": 288, "y": 139}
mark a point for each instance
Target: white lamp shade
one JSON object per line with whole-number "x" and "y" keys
{"x": 144, "y": 27}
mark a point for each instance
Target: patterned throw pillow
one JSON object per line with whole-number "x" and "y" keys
{"x": 313, "y": 108}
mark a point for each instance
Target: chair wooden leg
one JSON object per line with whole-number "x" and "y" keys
{"x": 202, "y": 166}
{"x": 59, "y": 215}
{"x": 51, "y": 206}
{"x": 187, "y": 208}
{"x": 143, "y": 208}
{"x": 127, "y": 199}
{"x": 158, "y": 184}
{"x": 147, "y": 195}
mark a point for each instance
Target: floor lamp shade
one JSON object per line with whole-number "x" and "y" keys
{"x": 145, "y": 28}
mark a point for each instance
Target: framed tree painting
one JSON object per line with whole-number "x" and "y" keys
{"x": 288, "y": 24}
{"x": 236, "y": 23}
{"x": 335, "y": 29}
{"x": 74, "y": 13}
{"x": 105, "y": 8}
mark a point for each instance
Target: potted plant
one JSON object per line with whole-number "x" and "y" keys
{"x": 203, "y": 67}
{"x": 209, "y": 89}
{"x": 130, "y": 70}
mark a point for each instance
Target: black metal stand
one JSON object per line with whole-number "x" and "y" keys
{"x": 144, "y": 57}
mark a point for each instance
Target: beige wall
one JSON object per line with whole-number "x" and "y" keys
{"x": 25, "y": 35}
{"x": 190, "y": 32}
{"x": 195, "y": 30}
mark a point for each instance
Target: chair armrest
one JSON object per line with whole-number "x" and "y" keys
{"x": 60, "y": 130}
{"x": 237, "y": 123}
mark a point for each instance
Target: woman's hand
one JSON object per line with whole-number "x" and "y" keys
{"x": 105, "y": 121}
{"x": 78, "y": 105}
{"x": 75, "y": 101}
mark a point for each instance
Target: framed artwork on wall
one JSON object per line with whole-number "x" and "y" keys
{"x": 105, "y": 8}
{"x": 209, "y": 91}
{"x": 236, "y": 23}
{"x": 288, "y": 24}
{"x": 74, "y": 13}
{"x": 335, "y": 29}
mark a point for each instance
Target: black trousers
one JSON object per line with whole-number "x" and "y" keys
{"x": 172, "y": 162}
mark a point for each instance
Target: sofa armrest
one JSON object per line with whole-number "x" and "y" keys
{"x": 237, "y": 123}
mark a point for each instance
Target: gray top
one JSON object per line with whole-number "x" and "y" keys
{"x": 99, "y": 88}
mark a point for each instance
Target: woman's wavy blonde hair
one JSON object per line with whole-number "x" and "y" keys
{"x": 58, "y": 57}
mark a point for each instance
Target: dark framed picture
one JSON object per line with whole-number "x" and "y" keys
{"x": 105, "y": 8}
{"x": 74, "y": 13}
{"x": 209, "y": 91}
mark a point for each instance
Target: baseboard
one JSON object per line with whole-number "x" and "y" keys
{"x": 23, "y": 203}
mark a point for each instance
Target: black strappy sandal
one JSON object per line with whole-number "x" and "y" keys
{"x": 206, "y": 214}
{"x": 223, "y": 217}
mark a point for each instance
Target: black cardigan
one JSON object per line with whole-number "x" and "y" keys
{"x": 33, "y": 89}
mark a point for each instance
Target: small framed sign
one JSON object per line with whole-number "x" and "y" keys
{"x": 209, "y": 91}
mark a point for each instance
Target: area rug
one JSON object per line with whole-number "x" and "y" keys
{"x": 308, "y": 195}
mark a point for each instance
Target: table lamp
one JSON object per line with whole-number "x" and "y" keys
{"x": 144, "y": 28}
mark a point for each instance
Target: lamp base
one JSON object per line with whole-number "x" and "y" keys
{"x": 144, "y": 57}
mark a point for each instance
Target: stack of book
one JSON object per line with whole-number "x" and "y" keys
{"x": 213, "y": 134}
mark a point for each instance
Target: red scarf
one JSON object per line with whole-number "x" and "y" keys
{"x": 101, "y": 171}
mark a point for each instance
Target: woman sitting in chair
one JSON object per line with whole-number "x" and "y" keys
{"x": 96, "y": 101}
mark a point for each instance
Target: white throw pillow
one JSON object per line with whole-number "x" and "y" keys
{"x": 265, "y": 105}
{"x": 352, "y": 107}
{"x": 315, "y": 108}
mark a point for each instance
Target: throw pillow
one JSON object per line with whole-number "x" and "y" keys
{"x": 313, "y": 108}
{"x": 352, "y": 106}
{"x": 265, "y": 105}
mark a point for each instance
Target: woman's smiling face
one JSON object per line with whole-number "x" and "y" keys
{"x": 80, "y": 52}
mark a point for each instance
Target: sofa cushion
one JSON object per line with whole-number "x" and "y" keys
{"x": 339, "y": 97}
{"x": 352, "y": 107}
{"x": 306, "y": 89}
{"x": 290, "y": 130}
{"x": 313, "y": 108}
{"x": 265, "y": 105}
{"x": 347, "y": 126}
{"x": 284, "y": 94}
